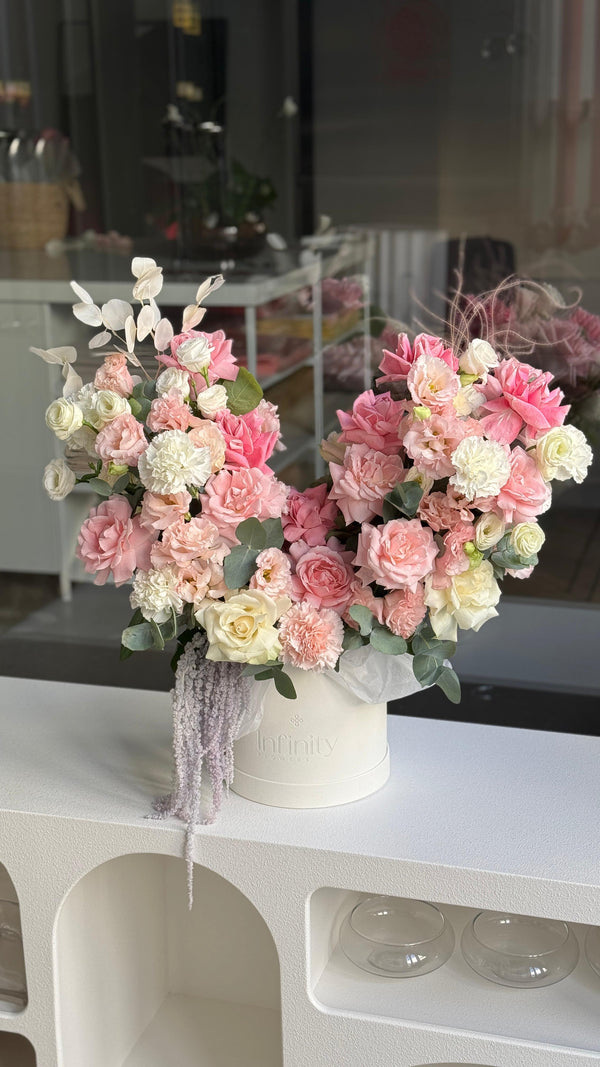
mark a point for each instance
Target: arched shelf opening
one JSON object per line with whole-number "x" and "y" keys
{"x": 13, "y": 979}
{"x": 143, "y": 981}
{"x": 16, "y": 1051}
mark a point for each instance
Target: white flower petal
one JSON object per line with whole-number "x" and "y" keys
{"x": 130, "y": 333}
{"x": 88, "y": 313}
{"x": 73, "y": 382}
{"x": 140, "y": 265}
{"x": 115, "y": 314}
{"x": 145, "y": 322}
{"x": 65, "y": 354}
{"x": 148, "y": 284}
{"x": 155, "y": 312}
{"x": 99, "y": 339}
{"x": 81, "y": 293}
{"x": 163, "y": 335}
{"x": 192, "y": 316}
{"x": 209, "y": 286}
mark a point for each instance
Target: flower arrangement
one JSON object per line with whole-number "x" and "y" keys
{"x": 435, "y": 483}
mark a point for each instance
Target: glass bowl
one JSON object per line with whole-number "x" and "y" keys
{"x": 396, "y": 938}
{"x": 519, "y": 950}
{"x": 592, "y": 948}
{"x": 13, "y": 990}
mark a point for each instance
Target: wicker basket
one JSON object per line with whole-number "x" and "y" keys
{"x": 32, "y": 213}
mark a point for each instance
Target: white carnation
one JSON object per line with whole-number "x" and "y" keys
{"x": 478, "y": 358}
{"x": 171, "y": 462}
{"x": 58, "y": 479}
{"x": 527, "y": 538}
{"x": 64, "y": 418}
{"x": 482, "y": 467}
{"x": 563, "y": 453}
{"x": 488, "y": 531}
{"x": 173, "y": 378}
{"x": 155, "y": 593}
{"x": 212, "y": 400}
{"x": 194, "y": 354}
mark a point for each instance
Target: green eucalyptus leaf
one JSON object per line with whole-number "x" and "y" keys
{"x": 252, "y": 669}
{"x": 139, "y": 637}
{"x": 363, "y": 617}
{"x": 244, "y": 393}
{"x": 168, "y": 629}
{"x": 426, "y": 669}
{"x": 136, "y": 407}
{"x": 252, "y": 533}
{"x": 402, "y": 502}
{"x": 239, "y": 566}
{"x": 274, "y": 533}
{"x": 385, "y": 641}
{"x": 431, "y": 645}
{"x": 284, "y": 685}
{"x": 100, "y": 487}
{"x": 157, "y": 637}
{"x": 449, "y": 684}
{"x": 352, "y": 639}
{"x": 121, "y": 483}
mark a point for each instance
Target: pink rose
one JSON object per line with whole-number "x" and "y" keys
{"x": 397, "y": 555}
{"x": 122, "y": 441}
{"x": 374, "y": 421}
{"x": 431, "y": 442}
{"x": 365, "y": 478}
{"x": 234, "y": 495}
{"x": 441, "y": 512}
{"x": 516, "y": 395}
{"x": 454, "y": 559}
{"x": 311, "y": 639}
{"x": 525, "y": 495}
{"x": 246, "y": 443}
{"x": 432, "y": 382}
{"x": 114, "y": 375}
{"x": 366, "y": 598}
{"x": 310, "y": 515}
{"x": 404, "y": 610}
{"x": 324, "y": 578}
{"x": 184, "y": 541}
{"x": 112, "y": 542}
{"x": 170, "y": 412}
{"x": 158, "y": 512}
{"x": 396, "y": 365}
{"x": 273, "y": 573}
{"x": 222, "y": 362}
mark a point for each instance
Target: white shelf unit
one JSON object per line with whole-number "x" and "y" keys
{"x": 121, "y": 975}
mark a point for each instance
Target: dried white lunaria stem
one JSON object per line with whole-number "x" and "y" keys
{"x": 209, "y": 700}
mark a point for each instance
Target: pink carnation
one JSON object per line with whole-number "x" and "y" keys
{"x": 273, "y": 573}
{"x": 404, "y": 610}
{"x": 518, "y": 395}
{"x": 310, "y": 515}
{"x": 365, "y": 478}
{"x": 182, "y": 542}
{"x": 396, "y": 555}
{"x": 122, "y": 441}
{"x": 170, "y": 412}
{"x": 114, "y": 375}
{"x": 432, "y": 382}
{"x": 158, "y": 512}
{"x": 374, "y": 421}
{"x": 431, "y": 442}
{"x": 311, "y": 639}
{"x": 234, "y": 495}
{"x": 112, "y": 542}
{"x": 525, "y": 495}
{"x": 396, "y": 365}
{"x": 246, "y": 442}
{"x": 324, "y": 578}
{"x": 222, "y": 361}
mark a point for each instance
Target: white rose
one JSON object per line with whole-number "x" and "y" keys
{"x": 171, "y": 462}
{"x": 482, "y": 467}
{"x": 478, "y": 358}
{"x": 242, "y": 628}
{"x": 58, "y": 479}
{"x": 468, "y": 602}
{"x": 194, "y": 354}
{"x": 211, "y": 400}
{"x": 64, "y": 417}
{"x": 107, "y": 407}
{"x": 173, "y": 378}
{"x": 527, "y": 538}
{"x": 563, "y": 453}
{"x": 155, "y": 593}
{"x": 488, "y": 531}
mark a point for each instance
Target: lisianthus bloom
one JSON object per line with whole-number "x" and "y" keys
{"x": 362, "y": 482}
{"x": 324, "y": 578}
{"x": 114, "y": 375}
{"x": 221, "y": 365}
{"x": 199, "y": 579}
{"x": 563, "y": 453}
{"x": 397, "y": 555}
{"x": 273, "y": 573}
{"x": 518, "y": 397}
{"x": 111, "y": 541}
{"x": 309, "y": 516}
{"x": 430, "y": 442}
{"x": 374, "y": 421}
{"x": 311, "y": 638}
{"x": 246, "y": 442}
{"x": 468, "y": 602}
{"x": 404, "y": 609}
{"x": 396, "y": 365}
{"x": 242, "y": 628}
{"x": 122, "y": 441}
{"x": 170, "y": 412}
{"x": 234, "y": 495}
{"x": 454, "y": 559}
{"x": 432, "y": 383}
{"x": 158, "y": 512}
{"x": 206, "y": 434}
{"x": 525, "y": 494}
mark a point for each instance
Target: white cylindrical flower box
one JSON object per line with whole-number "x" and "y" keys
{"x": 325, "y": 748}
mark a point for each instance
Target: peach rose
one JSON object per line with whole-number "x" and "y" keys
{"x": 310, "y": 515}
{"x": 112, "y": 542}
{"x": 324, "y": 578}
{"x": 232, "y": 496}
{"x": 525, "y": 494}
{"x": 114, "y": 375}
{"x": 360, "y": 485}
{"x": 404, "y": 610}
{"x": 374, "y": 421}
{"x": 158, "y": 512}
{"x": 397, "y": 555}
{"x": 311, "y": 638}
{"x": 122, "y": 441}
{"x": 184, "y": 541}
